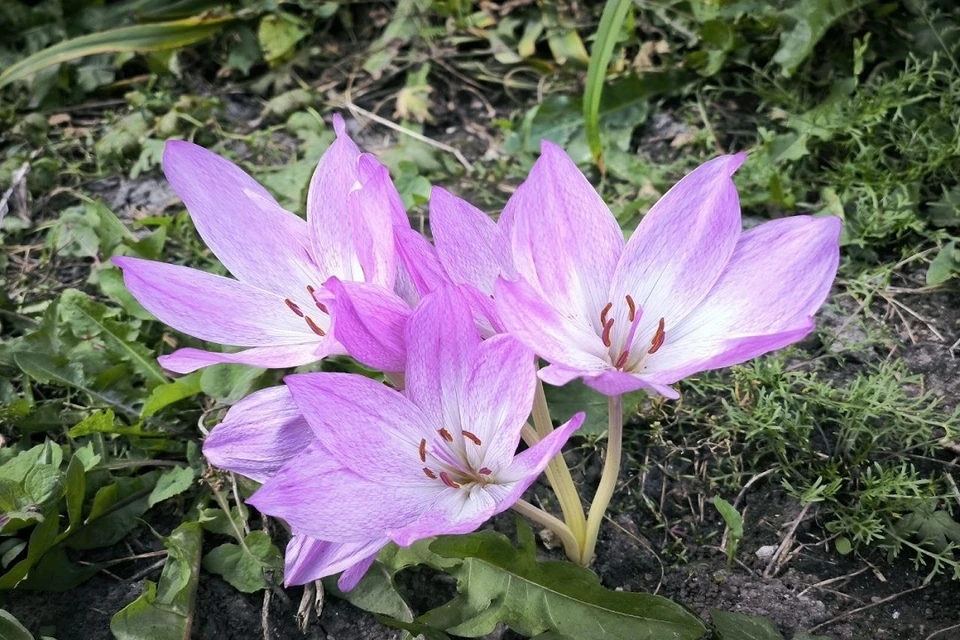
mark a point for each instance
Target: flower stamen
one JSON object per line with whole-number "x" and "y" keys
{"x": 603, "y": 314}
{"x": 484, "y": 471}
{"x": 633, "y": 308}
{"x": 658, "y": 338}
{"x": 445, "y": 434}
{"x": 605, "y": 336}
{"x": 313, "y": 327}
{"x": 423, "y": 450}
{"x": 430, "y": 474}
{"x": 293, "y": 307}
{"x": 471, "y": 437}
{"x": 447, "y": 481}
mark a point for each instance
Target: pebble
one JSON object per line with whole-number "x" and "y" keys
{"x": 766, "y": 551}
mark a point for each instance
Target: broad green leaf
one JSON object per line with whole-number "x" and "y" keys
{"x": 55, "y": 572}
{"x": 215, "y": 520}
{"x": 115, "y": 512}
{"x": 48, "y": 370}
{"x": 808, "y": 22}
{"x": 499, "y": 583}
{"x": 76, "y": 486}
{"x": 571, "y": 398}
{"x": 935, "y": 528}
{"x": 945, "y": 265}
{"x": 731, "y": 517}
{"x": 614, "y": 13}
{"x": 172, "y": 483}
{"x": 376, "y": 593}
{"x": 243, "y": 566}
{"x": 43, "y": 536}
{"x": 11, "y": 629}
{"x": 135, "y": 39}
{"x": 228, "y": 383}
{"x": 737, "y": 626}
{"x": 279, "y": 34}
{"x": 164, "y": 611}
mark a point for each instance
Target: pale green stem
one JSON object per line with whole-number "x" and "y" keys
{"x": 557, "y": 472}
{"x": 608, "y": 480}
{"x": 570, "y": 543}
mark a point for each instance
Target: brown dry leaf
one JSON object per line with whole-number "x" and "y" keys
{"x": 644, "y": 59}
{"x": 58, "y": 119}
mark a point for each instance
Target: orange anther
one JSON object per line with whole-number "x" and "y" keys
{"x": 471, "y": 437}
{"x": 633, "y": 308}
{"x": 293, "y": 306}
{"x": 423, "y": 451}
{"x": 658, "y": 338}
{"x": 605, "y": 336}
{"x": 445, "y": 435}
{"x": 603, "y": 314}
{"x": 447, "y": 481}
{"x": 313, "y": 327}
{"x": 429, "y": 474}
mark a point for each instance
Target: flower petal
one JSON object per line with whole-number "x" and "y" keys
{"x": 498, "y": 395}
{"x": 680, "y": 248}
{"x": 471, "y": 247}
{"x": 309, "y": 559}
{"x": 259, "y": 435}
{"x": 530, "y": 463}
{"x": 336, "y": 505}
{"x": 441, "y": 342}
{"x": 553, "y": 336}
{"x": 419, "y": 258}
{"x": 212, "y": 307}
{"x": 351, "y": 576}
{"x": 371, "y": 429}
{"x": 453, "y": 511}
{"x": 188, "y": 360}
{"x": 779, "y": 275}
{"x": 615, "y": 383}
{"x": 565, "y": 241}
{"x": 258, "y": 241}
{"x": 376, "y": 209}
{"x": 369, "y": 321}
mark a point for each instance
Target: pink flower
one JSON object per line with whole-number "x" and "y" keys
{"x": 438, "y": 458}
{"x": 688, "y": 292}
{"x": 275, "y": 306}
{"x": 258, "y": 436}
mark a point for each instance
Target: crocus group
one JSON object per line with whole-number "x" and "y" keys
{"x": 351, "y": 463}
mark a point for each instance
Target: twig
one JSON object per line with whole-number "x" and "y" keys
{"x": 145, "y": 572}
{"x": 310, "y": 603}
{"x": 15, "y": 181}
{"x": 824, "y": 583}
{"x": 936, "y": 633}
{"x": 846, "y": 615}
{"x": 354, "y": 109}
{"x": 265, "y": 615}
{"x": 773, "y": 565}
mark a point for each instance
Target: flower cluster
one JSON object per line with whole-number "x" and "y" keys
{"x": 457, "y": 327}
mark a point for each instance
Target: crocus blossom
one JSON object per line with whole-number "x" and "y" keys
{"x": 438, "y": 458}
{"x": 257, "y": 437}
{"x": 689, "y": 292}
{"x": 275, "y": 306}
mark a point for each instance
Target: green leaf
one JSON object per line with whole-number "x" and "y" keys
{"x": 11, "y": 629}
{"x": 731, "y": 517}
{"x": 43, "y": 536}
{"x": 499, "y": 583}
{"x": 59, "y": 371}
{"x": 809, "y": 21}
{"x": 803, "y": 635}
{"x": 376, "y": 592}
{"x": 135, "y": 39}
{"x": 279, "y": 34}
{"x": 935, "y": 528}
{"x": 243, "y": 566}
{"x": 55, "y": 572}
{"x": 945, "y": 265}
{"x": 228, "y": 383}
{"x": 737, "y": 626}
{"x": 171, "y": 483}
{"x": 164, "y": 611}
{"x": 87, "y": 319}
{"x": 115, "y": 511}
{"x": 76, "y": 487}
{"x": 571, "y": 398}
{"x": 608, "y": 32}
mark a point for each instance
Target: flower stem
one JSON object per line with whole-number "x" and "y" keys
{"x": 608, "y": 480}
{"x": 558, "y": 474}
{"x": 570, "y": 543}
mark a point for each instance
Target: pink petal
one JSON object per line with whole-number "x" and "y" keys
{"x": 376, "y": 209}
{"x": 419, "y": 259}
{"x": 549, "y": 332}
{"x": 779, "y": 275}
{"x": 212, "y": 307}
{"x": 565, "y": 241}
{"x": 309, "y": 559}
{"x": 615, "y": 383}
{"x": 452, "y": 512}
{"x": 371, "y": 429}
{"x": 498, "y": 396}
{"x": 679, "y": 250}
{"x": 188, "y": 360}
{"x": 441, "y": 342}
{"x": 530, "y": 463}
{"x": 369, "y": 321}
{"x": 258, "y": 241}
{"x": 259, "y": 435}
{"x": 338, "y": 505}
{"x": 471, "y": 247}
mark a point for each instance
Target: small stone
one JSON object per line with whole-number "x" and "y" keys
{"x": 766, "y": 551}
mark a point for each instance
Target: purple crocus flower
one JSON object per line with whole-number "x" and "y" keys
{"x": 275, "y": 306}
{"x": 688, "y": 292}
{"x": 257, "y": 437}
{"x": 438, "y": 458}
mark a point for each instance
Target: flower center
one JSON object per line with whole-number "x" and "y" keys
{"x": 622, "y": 354}
{"x": 297, "y": 311}
{"x": 449, "y": 463}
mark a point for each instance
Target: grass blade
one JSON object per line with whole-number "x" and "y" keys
{"x": 612, "y": 19}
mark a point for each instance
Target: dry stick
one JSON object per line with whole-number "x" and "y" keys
{"x": 824, "y": 583}
{"x": 145, "y": 572}
{"x": 936, "y": 633}
{"x": 311, "y": 602}
{"x": 265, "y": 615}
{"x": 772, "y": 566}
{"x": 354, "y": 109}
{"x": 843, "y": 616}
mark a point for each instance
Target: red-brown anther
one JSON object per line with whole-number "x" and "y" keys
{"x": 447, "y": 481}
{"x": 622, "y": 360}
{"x": 471, "y": 437}
{"x": 605, "y": 336}
{"x": 429, "y": 474}
{"x": 658, "y": 338}
{"x": 423, "y": 450}
{"x": 445, "y": 435}
{"x": 603, "y": 314}
{"x": 322, "y": 307}
{"x": 633, "y": 308}
{"x": 484, "y": 471}
{"x": 310, "y": 290}
{"x": 313, "y": 327}
{"x": 293, "y": 307}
